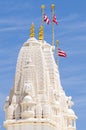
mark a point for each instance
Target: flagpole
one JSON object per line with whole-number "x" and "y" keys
{"x": 52, "y": 7}
{"x": 43, "y": 7}
{"x": 57, "y": 42}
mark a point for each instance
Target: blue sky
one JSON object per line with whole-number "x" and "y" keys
{"x": 15, "y": 20}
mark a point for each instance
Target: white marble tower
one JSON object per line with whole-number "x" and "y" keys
{"x": 37, "y": 100}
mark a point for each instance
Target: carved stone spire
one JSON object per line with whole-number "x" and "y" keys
{"x": 38, "y": 100}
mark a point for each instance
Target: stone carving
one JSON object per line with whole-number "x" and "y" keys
{"x": 11, "y": 112}
{"x": 28, "y": 87}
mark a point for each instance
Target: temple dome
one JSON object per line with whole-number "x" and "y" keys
{"x": 32, "y": 40}
{"x": 71, "y": 112}
{"x": 27, "y": 99}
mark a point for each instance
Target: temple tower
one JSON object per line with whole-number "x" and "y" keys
{"x": 37, "y": 99}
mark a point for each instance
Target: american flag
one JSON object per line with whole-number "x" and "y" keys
{"x": 46, "y": 19}
{"x": 55, "y": 20}
{"x": 61, "y": 53}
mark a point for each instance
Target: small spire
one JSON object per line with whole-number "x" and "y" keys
{"x": 32, "y": 34}
{"x": 41, "y": 33}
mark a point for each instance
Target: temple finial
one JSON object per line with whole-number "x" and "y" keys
{"x": 53, "y": 6}
{"x": 42, "y": 6}
{"x": 41, "y": 33}
{"x": 32, "y": 34}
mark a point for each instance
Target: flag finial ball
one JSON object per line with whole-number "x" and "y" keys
{"x": 57, "y": 42}
{"x": 42, "y": 6}
{"x": 52, "y": 6}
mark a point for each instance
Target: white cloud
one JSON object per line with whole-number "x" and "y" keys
{"x": 13, "y": 28}
{"x": 81, "y": 25}
{"x": 76, "y": 52}
{"x": 72, "y": 27}
{"x": 69, "y": 18}
{"x": 13, "y": 25}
